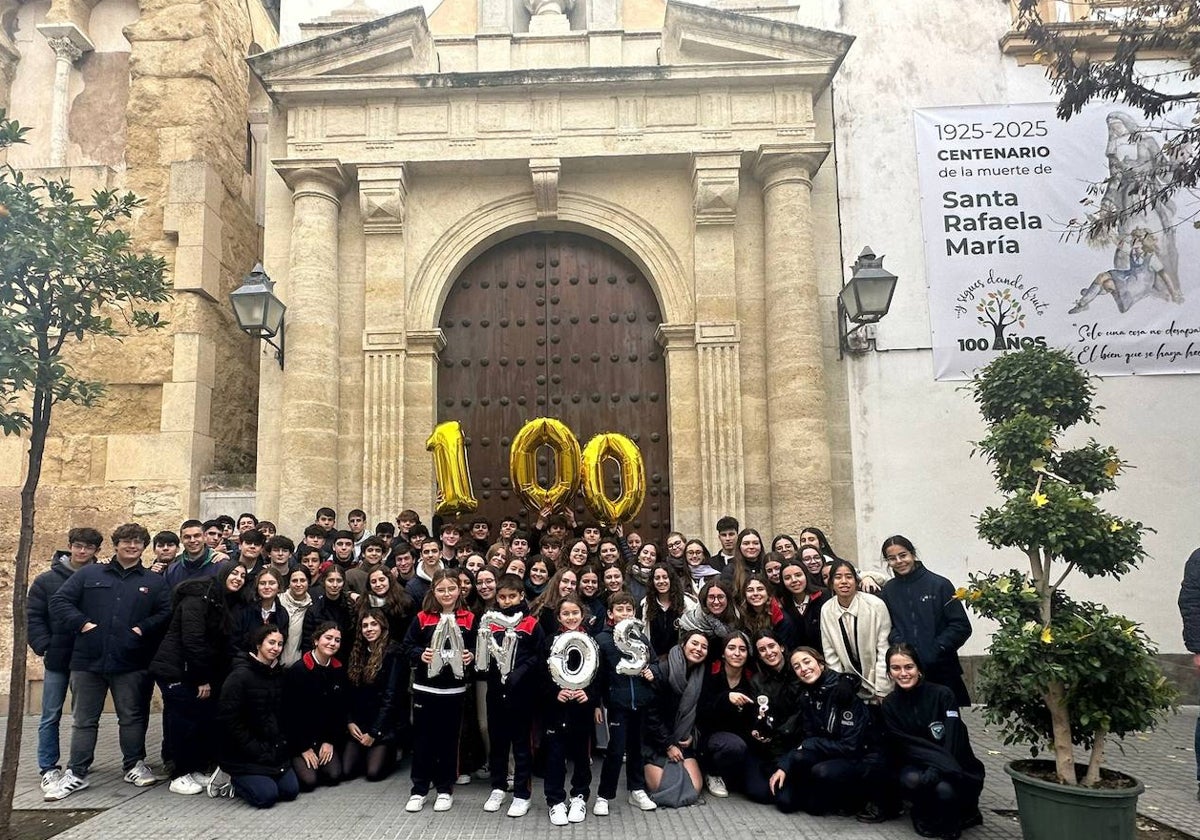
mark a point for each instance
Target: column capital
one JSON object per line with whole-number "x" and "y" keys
{"x": 672, "y": 337}
{"x": 716, "y": 182}
{"x": 426, "y": 342}
{"x": 718, "y": 334}
{"x": 383, "y": 341}
{"x": 778, "y": 163}
{"x": 66, "y": 39}
{"x": 383, "y": 197}
{"x": 322, "y": 177}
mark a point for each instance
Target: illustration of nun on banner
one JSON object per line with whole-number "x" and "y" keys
{"x": 1145, "y": 259}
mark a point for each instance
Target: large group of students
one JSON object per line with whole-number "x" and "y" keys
{"x": 774, "y": 670}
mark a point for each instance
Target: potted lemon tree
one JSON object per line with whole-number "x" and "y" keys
{"x": 1061, "y": 673}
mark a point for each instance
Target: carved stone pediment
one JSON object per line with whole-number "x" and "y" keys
{"x": 701, "y": 35}
{"x": 398, "y": 44}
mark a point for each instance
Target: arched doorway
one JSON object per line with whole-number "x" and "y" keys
{"x": 556, "y": 325}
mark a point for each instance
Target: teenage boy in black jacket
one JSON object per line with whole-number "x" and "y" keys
{"x": 625, "y": 699}
{"x": 510, "y": 701}
{"x": 54, "y": 644}
{"x": 119, "y": 611}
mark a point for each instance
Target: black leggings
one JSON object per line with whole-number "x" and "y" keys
{"x": 436, "y": 720}
{"x": 378, "y": 760}
{"x": 329, "y": 774}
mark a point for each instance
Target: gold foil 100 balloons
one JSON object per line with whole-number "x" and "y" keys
{"x": 522, "y": 463}
{"x": 450, "y": 468}
{"x": 633, "y": 478}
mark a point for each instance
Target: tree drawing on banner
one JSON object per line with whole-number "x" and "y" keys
{"x": 1000, "y": 310}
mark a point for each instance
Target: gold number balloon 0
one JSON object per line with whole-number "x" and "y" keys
{"x": 522, "y": 463}
{"x": 633, "y": 478}
{"x": 450, "y": 468}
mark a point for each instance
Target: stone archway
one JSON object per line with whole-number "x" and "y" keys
{"x": 554, "y": 324}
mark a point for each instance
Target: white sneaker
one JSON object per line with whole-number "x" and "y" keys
{"x": 443, "y": 802}
{"x": 219, "y": 784}
{"x": 483, "y": 773}
{"x": 68, "y": 784}
{"x": 464, "y": 779}
{"x": 141, "y": 775}
{"x": 577, "y": 810}
{"x": 416, "y": 802}
{"x": 716, "y": 786}
{"x": 640, "y": 799}
{"x": 558, "y": 814}
{"x": 186, "y": 785}
{"x": 600, "y": 807}
{"x": 518, "y": 808}
{"x": 50, "y": 778}
{"x": 494, "y": 801}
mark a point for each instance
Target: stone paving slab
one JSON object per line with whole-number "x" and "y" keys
{"x": 1164, "y": 760}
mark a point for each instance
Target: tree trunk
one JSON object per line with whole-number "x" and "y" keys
{"x": 1093, "y": 771}
{"x": 39, "y": 428}
{"x": 1060, "y": 722}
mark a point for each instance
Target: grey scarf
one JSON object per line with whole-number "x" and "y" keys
{"x": 686, "y": 681}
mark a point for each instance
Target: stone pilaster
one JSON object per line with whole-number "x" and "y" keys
{"x": 69, "y": 44}
{"x": 679, "y": 352}
{"x": 420, "y": 392}
{"x": 716, "y": 184}
{"x": 797, "y": 429}
{"x": 383, "y": 196}
{"x": 311, "y": 373}
{"x": 722, "y": 465}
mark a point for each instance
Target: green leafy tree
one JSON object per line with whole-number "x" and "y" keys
{"x": 1061, "y": 672}
{"x": 1124, "y": 37}
{"x": 70, "y": 274}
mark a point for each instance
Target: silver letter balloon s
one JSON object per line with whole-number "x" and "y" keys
{"x": 629, "y": 636}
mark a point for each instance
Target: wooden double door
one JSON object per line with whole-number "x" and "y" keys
{"x": 554, "y": 325}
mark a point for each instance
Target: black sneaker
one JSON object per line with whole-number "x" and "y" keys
{"x": 872, "y": 813}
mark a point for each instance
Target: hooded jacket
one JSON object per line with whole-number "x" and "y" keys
{"x": 196, "y": 649}
{"x": 47, "y": 640}
{"x": 252, "y": 741}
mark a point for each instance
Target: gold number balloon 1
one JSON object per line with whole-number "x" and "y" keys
{"x": 633, "y": 478}
{"x": 450, "y": 468}
{"x": 522, "y": 463}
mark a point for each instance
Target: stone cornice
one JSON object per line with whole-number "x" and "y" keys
{"x": 292, "y": 89}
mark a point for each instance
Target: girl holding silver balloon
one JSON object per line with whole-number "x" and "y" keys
{"x": 439, "y": 647}
{"x": 568, "y": 712}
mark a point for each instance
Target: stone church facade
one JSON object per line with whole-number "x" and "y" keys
{"x": 688, "y": 154}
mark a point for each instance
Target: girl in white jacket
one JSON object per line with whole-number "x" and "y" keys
{"x": 854, "y": 632}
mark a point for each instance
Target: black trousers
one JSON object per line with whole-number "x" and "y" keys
{"x": 569, "y": 739}
{"x": 436, "y": 722}
{"x": 510, "y": 727}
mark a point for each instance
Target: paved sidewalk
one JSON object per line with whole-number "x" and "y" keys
{"x": 1164, "y": 760}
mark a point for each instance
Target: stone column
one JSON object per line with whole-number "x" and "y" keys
{"x": 69, "y": 44}
{"x": 716, "y": 187}
{"x": 420, "y": 393}
{"x": 311, "y": 371}
{"x": 797, "y": 433}
{"x": 383, "y": 193}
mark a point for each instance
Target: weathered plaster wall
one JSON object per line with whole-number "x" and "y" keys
{"x": 911, "y": 436}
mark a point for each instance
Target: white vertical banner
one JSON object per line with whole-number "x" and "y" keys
{"x": 1006, "y": 194}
